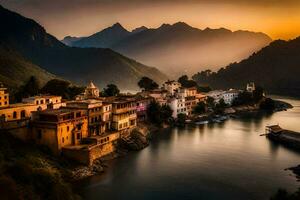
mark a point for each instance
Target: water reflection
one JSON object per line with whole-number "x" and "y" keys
{"x": 228, "y": 160}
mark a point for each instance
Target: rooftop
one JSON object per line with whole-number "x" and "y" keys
{"x": 60, "y": 111}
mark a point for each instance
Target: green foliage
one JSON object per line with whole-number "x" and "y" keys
{"x": 158, "y": 114}
{"x": 110, "y": 90}
{"x": 204, "y": 89}
{"x": 61, "y": 88}
{"x": 30, "y": 88}
{"x": 282, "y": 194}
{"x": 181, "y": 117}
{"x": 258, "y": 94}
{"x": 186, "y": 82}
{"x": 244, "y": 98}
{"x": 31, "y": 174}
{"x": 166, "y": 112}
{"x": 210, "y": 101}
{"x": 267, "y": 104}
{"x": 147, "y": 84}
{"x": 220, "y": 107}
{"x": 200, "y": 108}
{"x": 153, "y": 113}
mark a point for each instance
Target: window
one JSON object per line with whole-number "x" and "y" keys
{"x": 15, "y": 115}
{"x": 5, "y": 97}
{"x": 63, "y": 140}
{"x": 120, "y": 126}
{"x": 42, "y": 101}
{"x": 78, "y": 136}
{"x": 5, "y": 102}
{"x": 39, "y": 136}
{"x": 37, "y": 102}
{"x": 68, "y": 128}
{"x": 22, "y": 113}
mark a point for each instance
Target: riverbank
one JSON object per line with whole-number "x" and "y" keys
{"x": 236, "y": 112}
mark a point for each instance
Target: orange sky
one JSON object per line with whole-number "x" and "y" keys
{"x": 277, "y": 18}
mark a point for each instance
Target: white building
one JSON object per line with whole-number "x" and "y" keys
{"x": 250, "y": 87}
{"x": 177, "y": 104}
{"x": 172, "y": 87}
{"x": 230, "y": 95}
{"x": 216, "y": 94}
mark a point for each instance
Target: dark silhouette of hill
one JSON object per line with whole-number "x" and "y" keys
{"x": 79, "y": 65}
{"x": 275, "y": 67}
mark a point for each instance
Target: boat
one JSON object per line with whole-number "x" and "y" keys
{"x": 202, "y": 122}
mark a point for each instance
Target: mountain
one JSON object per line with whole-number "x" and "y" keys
{"x": 180, "y": 48}
{"x": 75, "y": 64}
{"x": 104, "y": 38}
{"x": 276, "y": 68}
{"x": 68, "y": 40}
{"x": 15, "y": 70}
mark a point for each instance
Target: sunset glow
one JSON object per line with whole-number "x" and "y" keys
{"x": 278, "y": 19}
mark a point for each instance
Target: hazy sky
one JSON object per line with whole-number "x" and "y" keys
{"x": 277, "y": 18}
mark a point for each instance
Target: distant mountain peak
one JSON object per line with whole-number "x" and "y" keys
{"x": 182, "y": 25}
{"x": 117, "y": 26}
{"x": 139, "y": 29}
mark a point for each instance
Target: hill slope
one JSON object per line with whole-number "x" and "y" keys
{"x": 181, "y": 48}
{"x": 15, "y": 70}
{"x": 76, "y": 64}
{"x": 276, "y": 68}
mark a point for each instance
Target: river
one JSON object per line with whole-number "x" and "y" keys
{"x": 215, "y": 161}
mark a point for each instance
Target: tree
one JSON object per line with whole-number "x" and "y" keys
{"x": 258, "y": 94}
{"x": 110, "y": 90}
{"x": 210, "y": 101}
{"x": 185, "y": 82}
{"x": 61, "y": 88}
{"x": 244, "y": 98}
{"x": 166, "y": 113}
{"x": 30, "y": 88}
{"x": 181, "y": 117}
{"x": 220, "y": 107}
{"x": 153, "y": 113}
{"x": 200, "y": 108}
{"x": 267, "y": 104}
{"x": 147, "y": 84}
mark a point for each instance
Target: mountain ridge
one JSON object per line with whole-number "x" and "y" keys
{"x": 75, "y": 64}
{"x": 180, "y": 47}
{"x": 274, "y": 67}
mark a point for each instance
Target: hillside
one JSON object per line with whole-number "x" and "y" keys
{"x": 75, "y": 64}
{"x": 179, "y": 48}
{"x": 15, "y": 69}
{"x": 276, "y": 68}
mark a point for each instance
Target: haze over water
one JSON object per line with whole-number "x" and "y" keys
{"x": 215, "y": 161}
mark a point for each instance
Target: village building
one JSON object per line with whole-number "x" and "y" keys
{"x": 4, "y": 97}
{"x": 250, "y": 87}
{"x": 216, "y": 94}
{"x": 177, "y": 104}
{"x": 46, "y": 101}
{"x": 90, "y": 92}
{"x": 98, "y": 113}
{"x": 142, "y": 104}
{"x": 230, "y": 95}
{"x": 124, "y": 113}
{"x": 59, "y": 128}
{"x": 172, "y": 87}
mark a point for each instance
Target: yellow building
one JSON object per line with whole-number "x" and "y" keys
{"x": 51, "y": 101}
{"x": 59, "y": 128}
{"x": 123, "y": 113}
{"x": 99, "y": 114}
{"x": 4, "y": 97}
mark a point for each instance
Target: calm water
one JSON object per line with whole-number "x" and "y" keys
{"x": 220, "y": 161}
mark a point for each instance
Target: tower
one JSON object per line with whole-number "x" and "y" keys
{"x": 91, "y": 91}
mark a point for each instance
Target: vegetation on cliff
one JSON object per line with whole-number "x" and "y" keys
{"x": 26, "y": 172}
